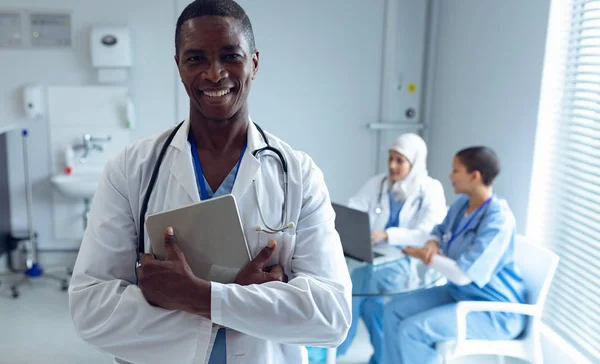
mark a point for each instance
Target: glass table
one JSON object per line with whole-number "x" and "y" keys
{"x": 401, "y": 276}
{"x": 398, "y": 277}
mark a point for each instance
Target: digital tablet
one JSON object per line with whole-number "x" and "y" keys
{"x": 209, "y": 234}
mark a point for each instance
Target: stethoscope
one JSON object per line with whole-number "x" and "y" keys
{"x": 257, "y": 153}
{"x": 450, "y": 236}
{"x": 379, "y": 208}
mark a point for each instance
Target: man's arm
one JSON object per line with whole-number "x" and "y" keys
{"x": 108, "y": 309}
{"x": 313, "y": 308}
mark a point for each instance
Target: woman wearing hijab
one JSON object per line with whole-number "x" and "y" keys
{"x": 403, "y": 204}
{"x": 478, "y": 236}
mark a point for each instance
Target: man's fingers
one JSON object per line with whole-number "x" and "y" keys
{"x": 171, "y": 248}
{"x": 139, "y": 272}
{"x": 146, "y": 258}
{"x": 277, "y": 273}
{"x": 265, "y": 254}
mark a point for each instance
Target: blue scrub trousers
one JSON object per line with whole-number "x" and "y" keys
{"x": 372, "y": 279}
{"x": 414, "y": 323}
{"x": 370, "y": 309}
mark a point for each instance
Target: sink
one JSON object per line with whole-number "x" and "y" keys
{"x": 82, "y": 185}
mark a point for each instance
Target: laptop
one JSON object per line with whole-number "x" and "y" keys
{"x": 355, "y": 232}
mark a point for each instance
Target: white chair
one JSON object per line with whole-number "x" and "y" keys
{"x": 537, "y": 265}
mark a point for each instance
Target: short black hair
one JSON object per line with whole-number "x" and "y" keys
{"x": 482, "y": 159}
{"x": 224, "y": 8}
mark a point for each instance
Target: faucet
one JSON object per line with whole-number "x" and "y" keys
{"x": 90, "y": 143}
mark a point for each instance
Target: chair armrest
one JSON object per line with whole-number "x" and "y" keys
{"x": 465, "y": 307}
{"x": 485, "y": 306}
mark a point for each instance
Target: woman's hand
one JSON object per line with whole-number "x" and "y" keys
{"x": 411, "y": 251}
{"x": 425, "y": 253}
{"x": 377, "y": 236}
{"x": 428, "y": 251}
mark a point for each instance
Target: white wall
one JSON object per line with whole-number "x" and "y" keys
{"x": 319, "y": 82}
{"x": 67, "y": 127}
{"x": 318, "y": 86}
{"x": 486, "y": 86}
{"x": 152, "y": 84}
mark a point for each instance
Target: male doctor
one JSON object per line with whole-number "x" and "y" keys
{"x": 295, "y": 292}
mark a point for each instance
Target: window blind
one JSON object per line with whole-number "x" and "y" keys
{"x": 566, "y": 211}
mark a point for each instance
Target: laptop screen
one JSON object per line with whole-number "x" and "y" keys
{"x": 355, "y": 232}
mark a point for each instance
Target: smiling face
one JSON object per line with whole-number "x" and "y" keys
{"x": 398, "y": 166}
{"x": 216, "y": 66}
{"x": 462, "y": 180}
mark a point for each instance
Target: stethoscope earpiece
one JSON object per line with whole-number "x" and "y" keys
{"x": 291, "y": 225}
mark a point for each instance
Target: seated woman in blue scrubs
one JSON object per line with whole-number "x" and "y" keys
{"x": 403, "y": 206}
{"x": 478, "y": 234}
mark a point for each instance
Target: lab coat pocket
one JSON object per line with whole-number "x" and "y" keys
{"x": 284, "y": 251}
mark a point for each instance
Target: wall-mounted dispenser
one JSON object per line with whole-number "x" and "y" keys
{"x": 34, "y": 101}
{"x": 111, "y": 53}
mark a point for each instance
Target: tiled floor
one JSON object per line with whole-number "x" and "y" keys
{"x": 37, "y": 328}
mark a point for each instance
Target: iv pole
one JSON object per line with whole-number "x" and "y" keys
{"x": 33, "y": 267}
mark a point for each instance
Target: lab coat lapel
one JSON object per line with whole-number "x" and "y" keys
{"x": 250, "y": 165}
{"x": 182, "y": 168}
{"x": 246, "y": 174}
{"x": 408, "y": 211}
{"x": 183, "y": 172}
{"x": 381, "y": 219}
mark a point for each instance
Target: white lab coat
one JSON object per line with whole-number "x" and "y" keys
{"x": 268, "y": 323}
{"x": 417, "y": 218}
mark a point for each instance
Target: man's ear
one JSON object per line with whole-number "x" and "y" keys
{"x": 255, "y": 58}
{"x": 176, "y": 57}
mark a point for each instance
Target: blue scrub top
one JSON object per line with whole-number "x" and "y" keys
{"x": 395, "y": 208}
{"x": 484, "y": 251}
{"x": 219, "y": 351}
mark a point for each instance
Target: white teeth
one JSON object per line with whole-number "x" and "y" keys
{"x": 218, "y": 93}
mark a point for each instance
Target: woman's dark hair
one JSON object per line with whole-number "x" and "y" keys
{"x": 482, "y": 159}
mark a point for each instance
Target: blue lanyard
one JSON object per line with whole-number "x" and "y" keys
{"x": 466, "y": 225}
{"x": 198, "y": 168}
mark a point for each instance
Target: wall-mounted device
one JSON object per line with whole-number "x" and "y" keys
{"x": 11, "y": 29}
{"x": 34, "y": 101}
{"x": 111, "y": 53}
{"x": 404, "y": 56}
{"x": 35, "y": 29}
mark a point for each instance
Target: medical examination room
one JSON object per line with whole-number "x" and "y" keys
{"x": 282, "y": 182}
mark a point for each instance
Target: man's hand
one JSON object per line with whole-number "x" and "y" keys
{"x": 256, "y": 271}
{"x": 377, "y": 236}
{"x": 170, "y": 284}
